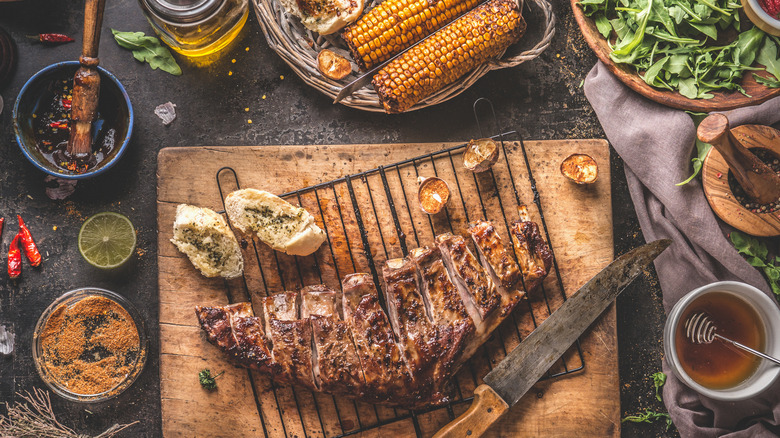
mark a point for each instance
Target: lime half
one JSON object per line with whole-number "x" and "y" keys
{"x": 107, "y": 240}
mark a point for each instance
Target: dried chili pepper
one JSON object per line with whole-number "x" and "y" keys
{"x": 30, "y": 249}
{"x": 14, "y": 259}
{"x": 52, "y": 38}
{"x": 2, "y": 221}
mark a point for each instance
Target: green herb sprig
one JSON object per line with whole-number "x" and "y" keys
{"x": 757, "y": 254}
{"x": 649, "y": 417}
{"x": 659, "y": 379}
{"x": 702, "y": 149}
{"x": 685, "y": 45}
{"x": 207, "y": 380}
{"x": 148, "y": 49}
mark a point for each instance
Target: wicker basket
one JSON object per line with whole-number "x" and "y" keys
{"x": 299, "y": 47}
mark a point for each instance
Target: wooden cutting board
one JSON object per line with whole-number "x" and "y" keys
{"x": 246, "y": 404}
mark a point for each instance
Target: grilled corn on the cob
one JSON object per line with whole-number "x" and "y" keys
{"x": 480, "y": 35}
{"x": 394, "y": 25}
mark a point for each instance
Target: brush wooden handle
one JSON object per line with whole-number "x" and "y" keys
{"x": 758, "y": 180}
{"x": 485, "y": 410}
{"x": 93, "y": 22}
{"x": 86, "y": 82}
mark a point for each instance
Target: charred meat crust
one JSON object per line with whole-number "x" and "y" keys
{"x": 453, "y": 325}
{"x": 498, "y": 264}
{"x": 337, "y": 361}
{"x": 292, "y": 351}
{"x": 415, "y": 333}
{"x": 532, "y": 252}
{"x": 467, "y": 273}
{"x": 405, "y": 359}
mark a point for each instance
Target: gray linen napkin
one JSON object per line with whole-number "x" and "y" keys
{"x": 655, "y": 143}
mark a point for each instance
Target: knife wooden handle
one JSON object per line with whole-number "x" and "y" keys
{"x": 486, "y": 408}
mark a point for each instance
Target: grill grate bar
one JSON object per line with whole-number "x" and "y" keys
{"x": 350, "y": 214}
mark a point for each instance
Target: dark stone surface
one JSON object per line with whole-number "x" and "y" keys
{"x": 542, "y": 99}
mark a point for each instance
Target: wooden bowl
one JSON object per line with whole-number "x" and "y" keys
{"x": 718, "y": 192}
{"x": 721, "y": 101}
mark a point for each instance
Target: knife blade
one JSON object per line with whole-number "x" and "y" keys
{"x": 527, "y": 363}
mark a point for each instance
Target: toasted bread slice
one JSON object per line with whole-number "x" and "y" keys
{"x": 325, "y": 16}
{"x": 204, "y": 236}
{"x": 279, "y": 224}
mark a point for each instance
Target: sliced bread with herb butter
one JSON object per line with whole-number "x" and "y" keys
{"x": 204, "y": 236}
{"x": 281, "y": 225}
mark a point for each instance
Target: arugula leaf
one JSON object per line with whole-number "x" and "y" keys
{"x": 747, "y": 46}
{"x": 686, "y": 31}
{"x": 702, "y": 149}
{"x": 659, "y": 379}
{"x": 602, "y": 23}
{"x": 148, "y": 49}
{"x": 757, "y": 255}
{"x": 767, "y": 82}
{"x": 622, "y": 54}
{"x": 767, "y": 57}
{"x": 649, "y": 417}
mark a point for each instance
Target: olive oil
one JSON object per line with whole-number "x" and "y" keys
{"x": 196, "y": 28}
{"x": 719, "y": 365}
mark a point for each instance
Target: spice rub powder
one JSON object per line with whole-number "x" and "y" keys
{"x": 91, "y": 346}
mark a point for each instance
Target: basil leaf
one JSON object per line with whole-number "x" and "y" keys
{"x": 148, "y": 49}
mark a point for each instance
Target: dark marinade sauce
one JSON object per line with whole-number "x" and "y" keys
{"x": 52, "y": 122}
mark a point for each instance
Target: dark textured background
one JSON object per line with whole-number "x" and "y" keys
{"x": 542, "y": 99}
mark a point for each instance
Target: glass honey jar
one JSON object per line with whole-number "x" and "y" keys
{"x": 196, "y": 27}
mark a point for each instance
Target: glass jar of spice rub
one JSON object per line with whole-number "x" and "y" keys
{"x": 196, "y": 27}
{"x": 89, "y": 345}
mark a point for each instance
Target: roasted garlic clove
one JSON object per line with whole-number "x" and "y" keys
{"x": 333, "y": 65}
{"x": 433, "y": 193}
{"x": 580, "y": 168}
{"x": 480, "y": 155}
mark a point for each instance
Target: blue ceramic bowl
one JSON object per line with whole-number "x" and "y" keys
{"x": 113, "y": 99}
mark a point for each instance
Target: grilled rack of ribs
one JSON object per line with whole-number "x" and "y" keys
{"x": 442, "y": 303}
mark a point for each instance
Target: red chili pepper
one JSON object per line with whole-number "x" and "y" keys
{"x": 54, "y": 38}
{"x": 14, "y": 259}
{"x": 30, "y": 249}
{"x": 59, "y": 125}
{"x": 2, "y": 221}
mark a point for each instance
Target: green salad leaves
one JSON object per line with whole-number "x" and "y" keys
{"x": 148, "y": 49}
{"x": 691, "y": 46}
{"x": 757, "y": 254}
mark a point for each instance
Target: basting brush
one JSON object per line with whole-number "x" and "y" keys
{"x": 86, "y": 83}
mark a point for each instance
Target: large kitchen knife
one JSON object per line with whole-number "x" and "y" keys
{"x": 527, "y": 363}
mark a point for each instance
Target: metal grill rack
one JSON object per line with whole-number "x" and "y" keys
{"x": 372, "y": 216}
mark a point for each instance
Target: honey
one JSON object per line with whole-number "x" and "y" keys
{"x": 718, "y": 365}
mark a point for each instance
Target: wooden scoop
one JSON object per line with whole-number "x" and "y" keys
{"x": 759, "y": 181}
{"x": 86, "y": 83}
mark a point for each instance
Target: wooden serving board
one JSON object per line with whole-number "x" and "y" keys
{"x": 721, "y": 101}
{"x": 247, "y": 404}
